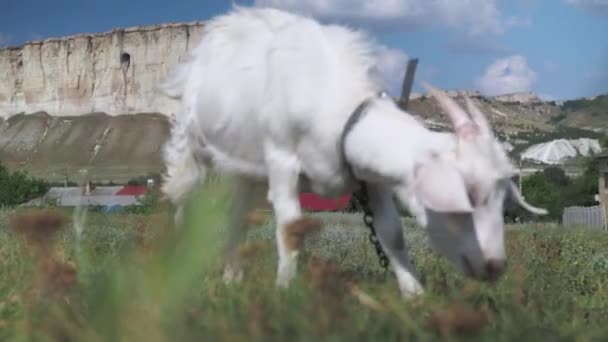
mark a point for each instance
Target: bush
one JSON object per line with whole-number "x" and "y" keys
{"x": 19, "y": 187}
{"x": 147, "y": 203}
{"x": 143, "y": 180}
{"x": 553, "y": 190}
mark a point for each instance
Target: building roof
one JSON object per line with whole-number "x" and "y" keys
{"x": 132, "y": 190}
{"x": 77, "y": 191}
{"x": 99, "y": 196}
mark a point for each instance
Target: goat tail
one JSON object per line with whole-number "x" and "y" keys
{"x": 184, "y": 172}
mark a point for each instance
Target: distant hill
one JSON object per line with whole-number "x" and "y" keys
{"x": 113, "y": 148}
{"x": 526, "y": 112}
{"x": 508, "y": 117}
{"x": 585, "y": 113}
{"x": 117, "y": 148}
{"x": 524, "y": 119}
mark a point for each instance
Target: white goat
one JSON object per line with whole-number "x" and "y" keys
{"x": 266, "y": 96}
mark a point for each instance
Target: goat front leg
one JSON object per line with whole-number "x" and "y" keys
{"x": 390, "y": 233}
{"x": 406, "y": 196}
{"x": 283, "y": 177}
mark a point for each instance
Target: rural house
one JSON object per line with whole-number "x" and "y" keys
{"x": 111, "y": 198}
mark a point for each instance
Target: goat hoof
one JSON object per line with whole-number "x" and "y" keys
{"x": 411, "y": 293}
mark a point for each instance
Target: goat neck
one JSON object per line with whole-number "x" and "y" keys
{"x": 386, "y": 144}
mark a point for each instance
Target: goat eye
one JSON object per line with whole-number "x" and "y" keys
{"x": 471, "y": 198}
{"x": 485, "y": 200}
{"x": 475, "y": 198}
{"x": 473, "y": 195}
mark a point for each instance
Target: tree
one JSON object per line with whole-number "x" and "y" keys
{"x": 583, "y": 189}
{"x": 545, "y": 194}
{"x": 18, "y": 187}
{"x": 556, "y": 176}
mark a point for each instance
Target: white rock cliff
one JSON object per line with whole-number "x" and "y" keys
{"x": 113, "y": 72}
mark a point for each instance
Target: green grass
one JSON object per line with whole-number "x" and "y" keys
{"x": 137, "y": 281}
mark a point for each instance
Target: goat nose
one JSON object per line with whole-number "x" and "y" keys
{"x": 495, "y": 268}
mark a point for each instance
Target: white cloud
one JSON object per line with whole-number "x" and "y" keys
{"x": 390, "y": 68}
{"x": 473, "y": 16}
{"x": 594, "y": 6}
{"x": 507, "y": 75}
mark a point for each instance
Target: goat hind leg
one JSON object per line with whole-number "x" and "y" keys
{"x": 283, "y": 182}
{"x": 242, "y": 201}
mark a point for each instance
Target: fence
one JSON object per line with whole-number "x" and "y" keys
{"x": 591, "y": 217}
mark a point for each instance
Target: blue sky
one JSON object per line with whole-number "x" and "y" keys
{"x": 556, "y": 48}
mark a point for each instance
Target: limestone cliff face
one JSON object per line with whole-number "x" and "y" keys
{"x": 114, "y": 72}
{"x": 525, "y": 97}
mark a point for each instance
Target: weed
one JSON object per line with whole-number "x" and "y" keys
{"x": 136, "y": 277}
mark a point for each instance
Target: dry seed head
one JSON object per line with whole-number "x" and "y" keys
{"x": 329, "y": 291}
{"x": 296, "y": 231}
{"x": 259, "y": 322}
{"x": 254, "y": 217}
{"x": 61, "y": 277}
{"x": 326, "y": 276}
{"x": 250, "y": 249}
{"x": 458, "y": 318}
{"x": 365, "y": 299}
{"x": 38, "y": 227}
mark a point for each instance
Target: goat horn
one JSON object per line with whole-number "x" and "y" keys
{"x": 478, "y": 117}
{"x": 520, "y": 200}
{"x": 460, "y": 119}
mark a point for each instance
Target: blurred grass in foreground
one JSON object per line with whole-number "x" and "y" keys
{"x": 135, "y": 278}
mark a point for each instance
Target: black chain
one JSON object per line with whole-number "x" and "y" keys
{"x": 368, "y": 218}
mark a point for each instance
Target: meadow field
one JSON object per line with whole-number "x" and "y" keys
{"x": 91, "y": 276}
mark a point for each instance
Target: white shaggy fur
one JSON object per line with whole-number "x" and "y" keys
{"x": 265, "y": 96}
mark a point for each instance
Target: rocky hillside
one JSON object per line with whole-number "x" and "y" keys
{"x": 525, "y": 112}
{"x": 507, "y": 116}
{"x": 585, "y": 113}
{"x": 524, "y": 121}
{"x": 117, "y": 148}
{"x": 112, "y": 148}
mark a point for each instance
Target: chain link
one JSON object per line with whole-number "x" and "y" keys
{"x": 368, "y": 219}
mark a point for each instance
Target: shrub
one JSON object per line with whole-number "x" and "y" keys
{"x": 553, "y": 190}
{"x": 19, "y": 187}
{"x": 147, "y": 203}
{"x": 143, "y": 180}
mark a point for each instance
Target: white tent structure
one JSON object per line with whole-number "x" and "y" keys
{"x": 557, "y": 151}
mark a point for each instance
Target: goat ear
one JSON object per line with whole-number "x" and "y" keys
{"x": 463, "y": 125}
{"x": 440, "y": 187}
